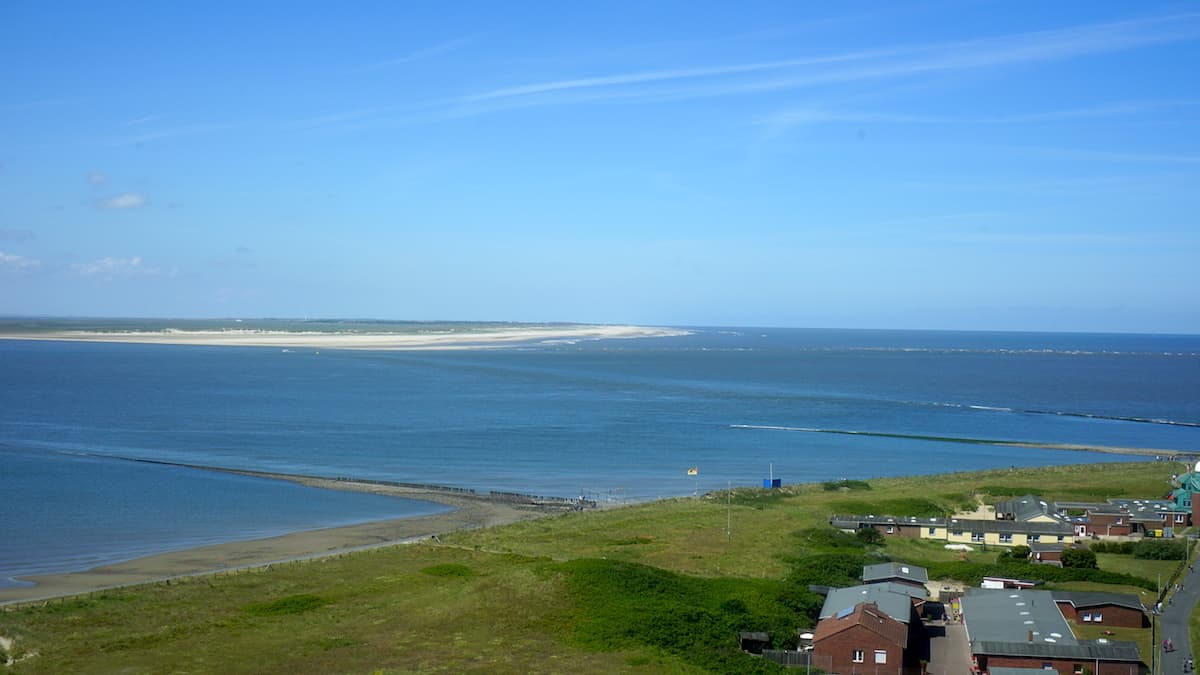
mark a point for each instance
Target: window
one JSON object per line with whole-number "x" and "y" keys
{"x": 958, "y": 533}
{"x": 1179, "y": 517}
{"x": 1060, "y": 539}
{"x": 1035, "y": 538}
{"x": 976, "y": 536}
{"x": 932, "y": 531}
{"x": 880, "y": 656}
{"x": 1078, "y": 669}
{"x": 890, "y": 529}
{"x": 1087, "y": 616}
{"x": 1006, "y": 538}
{"x": 1097, "y": 617}
{"x": 858, "y": 656}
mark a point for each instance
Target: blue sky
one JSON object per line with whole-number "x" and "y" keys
{"x": 964, "y": 165}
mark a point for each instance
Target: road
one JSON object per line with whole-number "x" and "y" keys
{"x": 1173, "y": 624}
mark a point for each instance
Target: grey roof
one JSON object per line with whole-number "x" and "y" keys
{"x": 1024, "y": 508}
{"x": 1009, "y": 526}
{"x": 1095, "y": 599}
{"x": 892, "y": 570}
{"x": 853, "y": 522}
{"x": 894, "y": 600}
{"x": 1038, "y": 547}
{"x": 1092, "y": 650}
{"x": 1006, "y": 615}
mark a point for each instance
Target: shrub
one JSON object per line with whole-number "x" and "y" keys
{"x": 1159, "y": 549}
{"x": 1079, "y": 558}
{"x": 845, "y": 484}
{"x": 869, "y": 535}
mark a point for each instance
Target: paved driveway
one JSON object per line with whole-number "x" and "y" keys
{"x": 949, "y": 653}
{"x": 1173, "y": 624}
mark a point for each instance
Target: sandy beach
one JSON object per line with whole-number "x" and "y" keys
{"x": 455, "y": 338}
{"x": 470, "y": 512}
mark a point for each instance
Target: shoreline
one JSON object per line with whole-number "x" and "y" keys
{"x": 489, "y": 338}
{"x": 469, "y": 511}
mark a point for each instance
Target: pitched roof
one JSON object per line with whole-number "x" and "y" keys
{"x": 868, "y": 616}
{"x": 1038, "y": 547}
{"x": 1024, "y": 508}
{"x": 891, "y": 570}
{"x": 1096, "y": 599}
{"x": 892, "y": 599}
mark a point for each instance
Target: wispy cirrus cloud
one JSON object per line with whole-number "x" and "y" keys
{"x": 425, "y": 53}
{"x": 896, "y": 62}
{"x": 109, "y": 268}
{"x": 96, "y": 178}
{"x": 127, "y": 200}
{"x": 12, "y": 261}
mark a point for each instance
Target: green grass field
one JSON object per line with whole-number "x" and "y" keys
{"x": 660, "y": 587}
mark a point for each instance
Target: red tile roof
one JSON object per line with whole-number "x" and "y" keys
{"x": 868, "y": 616}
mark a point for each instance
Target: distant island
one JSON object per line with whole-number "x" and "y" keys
{"x": 318, "y": 333}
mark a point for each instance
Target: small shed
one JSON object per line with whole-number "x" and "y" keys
{"x": 754, "y": 642}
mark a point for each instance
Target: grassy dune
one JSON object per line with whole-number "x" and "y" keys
{"x": 659, "y": 587}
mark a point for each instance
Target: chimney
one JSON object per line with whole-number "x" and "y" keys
{"x": 1031, "y": 636}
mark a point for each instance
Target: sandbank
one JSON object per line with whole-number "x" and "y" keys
{"x": 470, "y": 511}
{"x": 456, "y": 338}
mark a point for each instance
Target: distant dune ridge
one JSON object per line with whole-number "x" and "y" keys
{"x": 445, "y": 336}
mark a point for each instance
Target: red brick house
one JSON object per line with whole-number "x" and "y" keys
{"x": 1103, "y": 609}
{"x": 860, "y": 639}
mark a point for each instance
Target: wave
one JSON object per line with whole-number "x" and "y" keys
{"x": 963, "y": 439}
{"x": 1063, "y": 413}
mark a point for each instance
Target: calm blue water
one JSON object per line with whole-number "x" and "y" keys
{"x": 615, "y": 419}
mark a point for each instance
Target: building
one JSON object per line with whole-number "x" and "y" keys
{"x": 901, "y": 602}
{"x": 1027, "y": 629}
{"x": 997, "y": 532}
{"x": 861, "y": 639}
{"x": 1027, "y": 509}
{"x": 1047, "y": 554}
{"x": 1106, "y": 609}
{"x": 900, "y": 573}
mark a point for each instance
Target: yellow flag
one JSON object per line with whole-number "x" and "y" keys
{"x": 693, "y": 471}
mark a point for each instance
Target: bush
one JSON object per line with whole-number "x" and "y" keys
{"x": 827, "y": 538}
{"x": 972, "y": 574}
{"x": 1079, "y": 558}
{"x": 1159, "y": 549}
{"x": 869, "y": 535}
{"x": 1020, "y": 553}
{"x": 1122, "y": 547}
{"x": 845, "y": 484}
{"x": 626, "y": 604}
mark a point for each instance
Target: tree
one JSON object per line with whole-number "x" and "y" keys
{"x": 1081, "y": 558}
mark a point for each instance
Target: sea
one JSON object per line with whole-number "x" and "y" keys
{"x": 616, "y": 420}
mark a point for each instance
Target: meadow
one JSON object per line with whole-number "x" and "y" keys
{"x": 655, "y": 587}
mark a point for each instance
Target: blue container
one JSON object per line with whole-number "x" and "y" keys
{"x": 769, "y": 483}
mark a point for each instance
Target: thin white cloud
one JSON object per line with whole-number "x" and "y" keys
{"x": 428, "y": 52}
{"x": 139, "y": 121}
{"x": 11, "y": 261}
{"x": 112, "y": 268}
{"x": 128, "y": 200}
{"x": 900, "y": 61}
{"x": 96, "y": 178}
